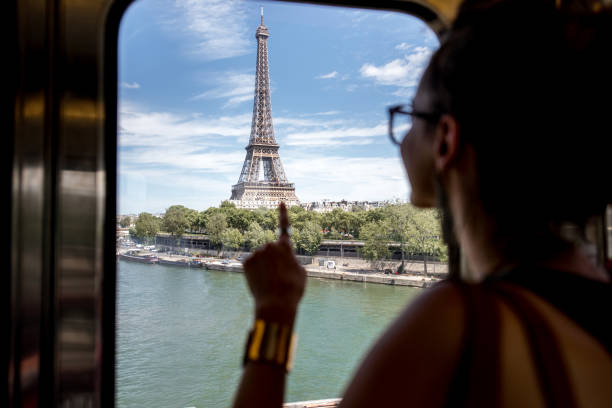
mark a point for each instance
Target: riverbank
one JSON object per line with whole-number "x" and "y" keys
{"x": 320, "y": 272}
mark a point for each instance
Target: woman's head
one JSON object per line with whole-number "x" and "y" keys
{"x": 528, "y": 88}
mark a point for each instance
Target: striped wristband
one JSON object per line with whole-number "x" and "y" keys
{"x": 271, "y": 343}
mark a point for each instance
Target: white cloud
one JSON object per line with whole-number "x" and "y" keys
{"x": 332, "y": 74}
{"x": 305, "y": 123}
{"x": 351, "y": 87}
{"x": 358, "y": 16}
{"x": 352, "y": 178}
{"x": 153, "y": 189}
{"x": 337, "y": 136}
{"x": 142, "y": 193}
{"x": 403, "y": 46}
{"x": 154, "y": 161}
{"x": 235, "y": 87}
{"x": 218, "y": 28}
{"x": 139, "y": 127}
{"x": 168, "y": 158}
{"x": 405, "y": 93}
{"x": 401, "y": 72}
{"x": 326, "y": 113}
{"x": 133, "y": 85}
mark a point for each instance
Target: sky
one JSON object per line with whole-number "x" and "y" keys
{"x": 186, "y": 83}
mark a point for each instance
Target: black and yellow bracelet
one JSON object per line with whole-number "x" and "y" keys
{"x": 271, "y": 343}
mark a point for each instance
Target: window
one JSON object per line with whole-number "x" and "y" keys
{"x": 186, "y": 113}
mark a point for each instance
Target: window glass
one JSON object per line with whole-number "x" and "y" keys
{"x": 187, "y": 82}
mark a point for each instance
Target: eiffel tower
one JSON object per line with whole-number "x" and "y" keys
{"x": 262, "y": 150}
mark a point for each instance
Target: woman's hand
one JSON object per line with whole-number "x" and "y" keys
{"x": 275, "y": 277}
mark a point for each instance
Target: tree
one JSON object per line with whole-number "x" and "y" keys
{"x": 199, "y": 221}
{"x": 192, "y": 220}
{"x": 354, "y": 222}
{"x": 377, "y": 214}
{"x": 299, "y": 217}
{"x": 217, "y": 223}
{"x": 375, "y": 236}
{"x": 232, "y": 238}
{"x": 227, "y": 204}
{"x": 308, "y": 238}
{"x": 254, "y": 237}
{"x": 339, "y": 223}
{"x": 177, "y": 219}
{"x": 125, "y": 221}
{"x": 357, "y": 208}
{"x": 239, "y": 218}
{"x": 426, "y": 236}
{"x": 146, "y": 226}
{"x": 266, "y": 218}
{"x": 402, "y": 227}
{"x": 269, "y": 236}
{"x": 331, "y": 223}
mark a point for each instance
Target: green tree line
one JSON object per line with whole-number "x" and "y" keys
{"x": 416, "y": 231}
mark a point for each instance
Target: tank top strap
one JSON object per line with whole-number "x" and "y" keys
{"x": 549, "y": 361}
{"x": 476, "y": 382}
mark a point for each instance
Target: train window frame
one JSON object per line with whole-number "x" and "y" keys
{"x": 436, "y": 21}
{"x": 118, "y": 392}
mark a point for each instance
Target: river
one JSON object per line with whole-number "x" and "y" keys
{"x": 181, "y": 333}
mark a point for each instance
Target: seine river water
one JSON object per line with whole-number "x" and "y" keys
{"x": 181, "y": 334}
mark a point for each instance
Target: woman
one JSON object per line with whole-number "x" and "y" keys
{"x": 507, "y": 141}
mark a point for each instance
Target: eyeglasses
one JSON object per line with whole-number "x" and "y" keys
{"x": 401, "y": 126}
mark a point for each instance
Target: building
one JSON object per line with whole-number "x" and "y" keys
{"x": 327, "y": 206}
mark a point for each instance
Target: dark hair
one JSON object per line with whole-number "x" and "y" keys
{"x": 530, "y": 87}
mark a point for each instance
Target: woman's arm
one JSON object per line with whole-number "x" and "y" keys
{"x": 277, "y": 282}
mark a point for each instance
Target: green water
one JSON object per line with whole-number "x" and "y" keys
{"x": 181, "y": 334}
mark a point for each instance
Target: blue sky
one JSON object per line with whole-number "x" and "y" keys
{"x": 186, "y": 80}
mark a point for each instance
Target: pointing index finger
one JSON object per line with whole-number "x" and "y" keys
{"x": 283, "y": 219}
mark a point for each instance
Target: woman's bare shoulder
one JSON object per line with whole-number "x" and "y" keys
{"x": 415, "y": 359}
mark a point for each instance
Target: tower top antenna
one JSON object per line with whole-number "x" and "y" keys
{"x": 261, "y": 15}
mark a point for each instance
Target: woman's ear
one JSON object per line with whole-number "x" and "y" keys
{"x": 446, "y": 142}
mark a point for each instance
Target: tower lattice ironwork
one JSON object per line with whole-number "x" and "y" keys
{"x": 262, "y": 150}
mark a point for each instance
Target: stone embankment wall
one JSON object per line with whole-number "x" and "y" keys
{"x": 314, "y": 272}
{"x": 397, "y": 280}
